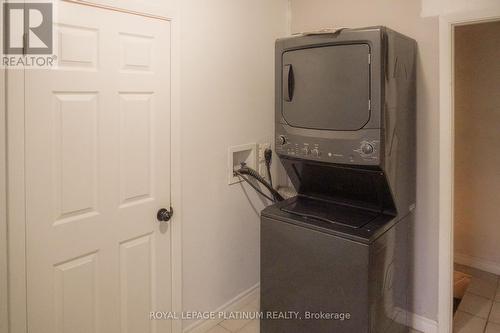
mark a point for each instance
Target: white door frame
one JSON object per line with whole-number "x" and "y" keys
{"x": 3, "y": 202}
{"x": 446, "y": 155}
{"x": 15, "y": 206}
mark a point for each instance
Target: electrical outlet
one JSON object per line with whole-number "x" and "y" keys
{"x": 240, "y": 154}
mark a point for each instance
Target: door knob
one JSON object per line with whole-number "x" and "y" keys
{"x": 164, "y": 215}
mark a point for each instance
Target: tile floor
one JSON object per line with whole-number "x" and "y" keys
{"x": 240, "y": 325}
{"x": 479, "y": 310}
{"x": 246, "y": 326}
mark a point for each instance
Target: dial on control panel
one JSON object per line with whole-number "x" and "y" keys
{"x": 367, "y": 149}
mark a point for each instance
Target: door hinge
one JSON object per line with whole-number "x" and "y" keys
{"x": 369, "y": 104}
{"x": 369, "y": 58}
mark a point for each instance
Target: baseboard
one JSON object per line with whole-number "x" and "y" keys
{"x": 415, "y": 321}
{"x": 423, "y": 324}
{"x": 478, "y": 263}
{"x": 235, "y": 304}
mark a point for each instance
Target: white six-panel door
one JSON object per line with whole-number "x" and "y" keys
{"x": 97, "y": 163}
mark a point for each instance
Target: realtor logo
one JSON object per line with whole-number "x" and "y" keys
{"x": 27, "y": 28}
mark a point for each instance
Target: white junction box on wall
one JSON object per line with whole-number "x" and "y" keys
{"x": 240, "y": 154}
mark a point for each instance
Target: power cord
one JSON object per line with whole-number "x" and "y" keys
{"x": 268, "y": 156}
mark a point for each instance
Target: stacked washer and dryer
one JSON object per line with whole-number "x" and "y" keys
{"x": 338, "y": 256}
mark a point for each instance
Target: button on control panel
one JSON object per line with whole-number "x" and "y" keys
{"x": 299, "y": 149}
{"x": 362, "y": 151}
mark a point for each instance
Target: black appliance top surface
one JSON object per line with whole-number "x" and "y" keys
{"x": 330, "y": 212}
{"x": 351, "y": 222}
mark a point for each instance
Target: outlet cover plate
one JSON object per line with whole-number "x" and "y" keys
{"x": 261, "y": 149}
{"x": 237, "y": 154}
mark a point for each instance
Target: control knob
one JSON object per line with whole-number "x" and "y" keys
{"x": 282, "y": 139}
{"x": 367, "y": 149}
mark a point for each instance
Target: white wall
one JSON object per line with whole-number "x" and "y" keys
{"x": 477, "y": 123}
{"x": 444, "y": 7}
{"x": 403, "y": 16}
{"x": 227, "y": 98}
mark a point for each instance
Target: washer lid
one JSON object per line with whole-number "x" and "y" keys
{"x": 327, "y": 87}
{"x": 331, "y": 212}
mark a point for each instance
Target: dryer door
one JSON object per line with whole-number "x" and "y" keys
{"x": 327, "y": 87}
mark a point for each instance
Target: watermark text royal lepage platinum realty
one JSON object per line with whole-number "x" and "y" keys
{"x": 27, "y": 35}
{"x": 249, "y": 315}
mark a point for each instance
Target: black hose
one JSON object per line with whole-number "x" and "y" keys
{"x": 254, "y": 186}
{"x": 254, "y": 174}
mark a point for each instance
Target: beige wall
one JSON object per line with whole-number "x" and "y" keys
{"x": 477, "y": 142}
{"x": 443, "y": 7}
{"x": 227, "y": 99}
{"x": 403, "y": 16}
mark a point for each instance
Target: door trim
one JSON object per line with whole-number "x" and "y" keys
{"x": 3, "y": 202}
{"x": 16, "y": 223}
{"x": 15, "y": 184}
{"x": 447, "y": 24}
{"x": 117, "y": 9}
{"x": 176, "y": 166}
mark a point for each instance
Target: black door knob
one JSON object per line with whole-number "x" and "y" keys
{"x": 164, "y": 215}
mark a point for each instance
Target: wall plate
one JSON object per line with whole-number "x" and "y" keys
{"x": 238, "y": 154}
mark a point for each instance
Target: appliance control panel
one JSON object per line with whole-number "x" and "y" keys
{"x": 356, "y": 148}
